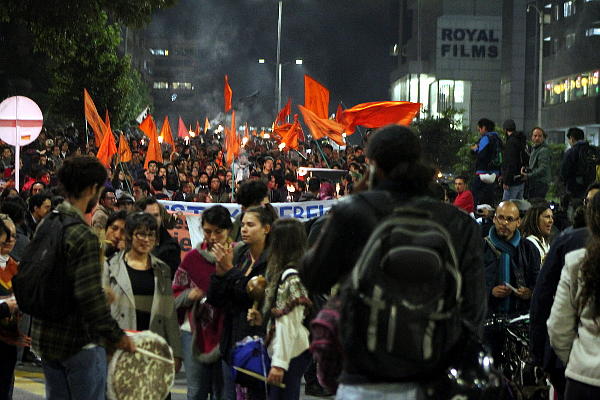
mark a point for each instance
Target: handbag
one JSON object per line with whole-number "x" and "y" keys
{"x": 250, "y": 354}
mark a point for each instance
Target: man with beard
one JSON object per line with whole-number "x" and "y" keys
{"x": 511, "y": 269}
{"x": 73, "y": 360}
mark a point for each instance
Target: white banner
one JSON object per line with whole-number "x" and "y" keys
{"x": 302, "y": 211}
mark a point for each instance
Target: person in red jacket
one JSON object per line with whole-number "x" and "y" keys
{"x": 464, "y": 197}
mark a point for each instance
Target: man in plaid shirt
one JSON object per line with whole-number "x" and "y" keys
{"x": 73, "y": 361}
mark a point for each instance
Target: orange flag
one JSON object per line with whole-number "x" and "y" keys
{"x": 125, "y": 154}
{"x": 316, "y": 97}
{"x": 323, "y": 127}
{"x": 338, "y": 113}
{"x": 206, "y": 125}
{"x": 290, "y": 138}
{"x": 154, "y": 152}
{"x": 232, "y": 145}
{"x": 228, "y": 93}
{"x": 283, "y": 113}
{"x": 197, "y": 130}
{"x": 165, "y": 132}
{"x": 92, "y": 117}
{"x": 181, "y": 129}
{"x": 108, "y": 148}
{"x": 378, "y": 114}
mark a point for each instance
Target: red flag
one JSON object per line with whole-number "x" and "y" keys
{"x": 108, "y": 148}
{"x": 323, "y": 127}
{"x": 93, "y": 118}
{"x": 316, "y": 97}
{"x": 181, "y": 129}
{"x": 378, "y": 114}
{"x": 197, "y": 130}
{"x": 290, "y": 138}
{"x": 165, "y": 132}
{"x": 232, "y": 145}
{"x": 206, "y": 125}
{"x": 154, "y": 152}
{"x": 228, "y": 93}
{"x": 338, "y": 113}
{"x": 125, "y": 154}
{"x": 283, "y": 113}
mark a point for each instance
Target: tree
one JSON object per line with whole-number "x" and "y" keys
{"x": 80, "y": 41}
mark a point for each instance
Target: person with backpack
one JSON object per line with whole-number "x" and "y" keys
{"x": 69, "y": 345}
{"x": 578, "y": 168}
{"x": 488, "y": 161}
{"x": 380, "y": 351}
{"x": 514, "y": 159}
{"x": 284, "y": 310}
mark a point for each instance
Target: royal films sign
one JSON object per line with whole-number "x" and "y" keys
{"x": 468, "y": 41}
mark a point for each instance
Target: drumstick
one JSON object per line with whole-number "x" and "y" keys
{"x": 258, "y": 376}
{"x": 152, "y": 355}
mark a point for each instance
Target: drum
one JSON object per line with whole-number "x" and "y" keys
{"x": 148, "y": 373}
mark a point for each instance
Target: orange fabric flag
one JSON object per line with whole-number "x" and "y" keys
{"x": 197, "y": 130}
{"x": 165, "y": 132}
{"x": 181, "y": 129}
{"x": 232, "y": 145}
{"x": 206, "y": 125}
{"x": 338, "y": 113}
{"x": 323, "y": 127}
{"x": 316, "y": 97}
{"x": 283, "y": 113}
{"x": 93, "y": 118}
{"x": 379, "y": 113}
{"x": 108, "y": 148}
{"x": 290, "y": 138}
{"x": 125, "y": 154}
{"x": 154, "y": 152}
{"x": 228, "y": 93}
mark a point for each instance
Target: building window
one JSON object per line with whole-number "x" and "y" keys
{"x": 568, "y": 8}
{"x": 159, "y": 52}
{"x": 573, "y": 87}
{"x": 592, "y": 32}
{"x": 557, "y": 12}
{"x": 182, "y": 85}
{"x": 160, "y": 85}
{"x": 555, "y": 45}
{"x": 570, "y": 40}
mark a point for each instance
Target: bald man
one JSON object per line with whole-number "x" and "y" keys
{"x": 511, "y": 268}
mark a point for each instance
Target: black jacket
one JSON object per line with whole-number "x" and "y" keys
{"x": 347, "y": 228}
{"x": 568, "y": 170}
{"x": 168, "y": 250}
{"x": 515, "y": 157}
{"x": 525, "y": 264}
{"x": 229, "y": 293}
{"x": 543, "y": 297}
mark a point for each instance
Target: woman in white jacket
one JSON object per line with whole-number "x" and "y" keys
{"x": 574, "y": 323}
{"x": 286, "y": 301}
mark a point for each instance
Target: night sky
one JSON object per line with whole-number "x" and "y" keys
{"x": 344, "y": 44}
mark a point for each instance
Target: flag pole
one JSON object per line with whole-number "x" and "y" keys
{"x": 322, "y": 154}
{"x": 362, "y": 135}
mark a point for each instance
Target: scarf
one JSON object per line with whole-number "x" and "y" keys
{"x": 507, "y": 251}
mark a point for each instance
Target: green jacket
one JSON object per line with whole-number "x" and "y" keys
{"x": 91, "y": 320}
{"x": 539, "y": 164}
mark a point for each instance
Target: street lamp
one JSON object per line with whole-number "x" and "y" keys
{"x": 278, "y": 66}
{"x": 297, "y": 61}
{"x": 540, "y": 60}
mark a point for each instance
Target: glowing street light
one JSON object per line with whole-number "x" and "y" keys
{"x": 261, "y": 60}
{"x": 298, "y": 61}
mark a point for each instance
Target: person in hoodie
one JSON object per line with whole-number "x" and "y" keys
{"x": 486, "y": 163}
{"x": 515, "y": 158}
{"x": 570, "y": 168}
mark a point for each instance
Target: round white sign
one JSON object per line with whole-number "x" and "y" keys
{"x": 21, "y": 120}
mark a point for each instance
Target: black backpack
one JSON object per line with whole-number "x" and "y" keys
{"x": 400, "y": 313}
{"x": 41, "y": 287}
{"x": 497, "y": 158}
{"x": 587, "y": 161}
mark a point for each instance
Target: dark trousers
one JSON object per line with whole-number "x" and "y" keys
{"x": 580, "y": 391}
{"x": 483, "y": 193}
{"x": 557, "y": 379}
{"x": 292, "y": 379}
{"x": 8, "y": 360}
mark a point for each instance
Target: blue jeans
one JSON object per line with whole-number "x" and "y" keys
{"x": 292, "y": 379}
{"x": 202, "y": 379}
{"x": 514, "y": 192}
{"x": 381, "y": 391}
{"x": 80, "y": 377}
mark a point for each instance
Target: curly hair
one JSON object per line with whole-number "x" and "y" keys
{"x": 590, "y": 268}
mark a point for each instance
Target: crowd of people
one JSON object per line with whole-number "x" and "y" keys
{"x": 504, "y": 254}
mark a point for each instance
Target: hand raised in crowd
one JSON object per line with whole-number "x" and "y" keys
{"x": 275, "y": 376}
{"x": 254, "y": 317}
{"x": 195, "y": 294}
{"x": 125, "y": 343}
{"x": 224, "y": 256}
{"x": 523, "y": 293}
{"x": 501, "y": 291}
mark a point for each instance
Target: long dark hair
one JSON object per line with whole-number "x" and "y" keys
{"x": 590, "y": 268}
{"x": 266, "y": 216}
{"x": 531, "y": 224}
{"x": 287, "y": 246}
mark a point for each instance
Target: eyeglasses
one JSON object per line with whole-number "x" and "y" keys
{"x": 150, "y": 236}
{"x": 504, "y": 220}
